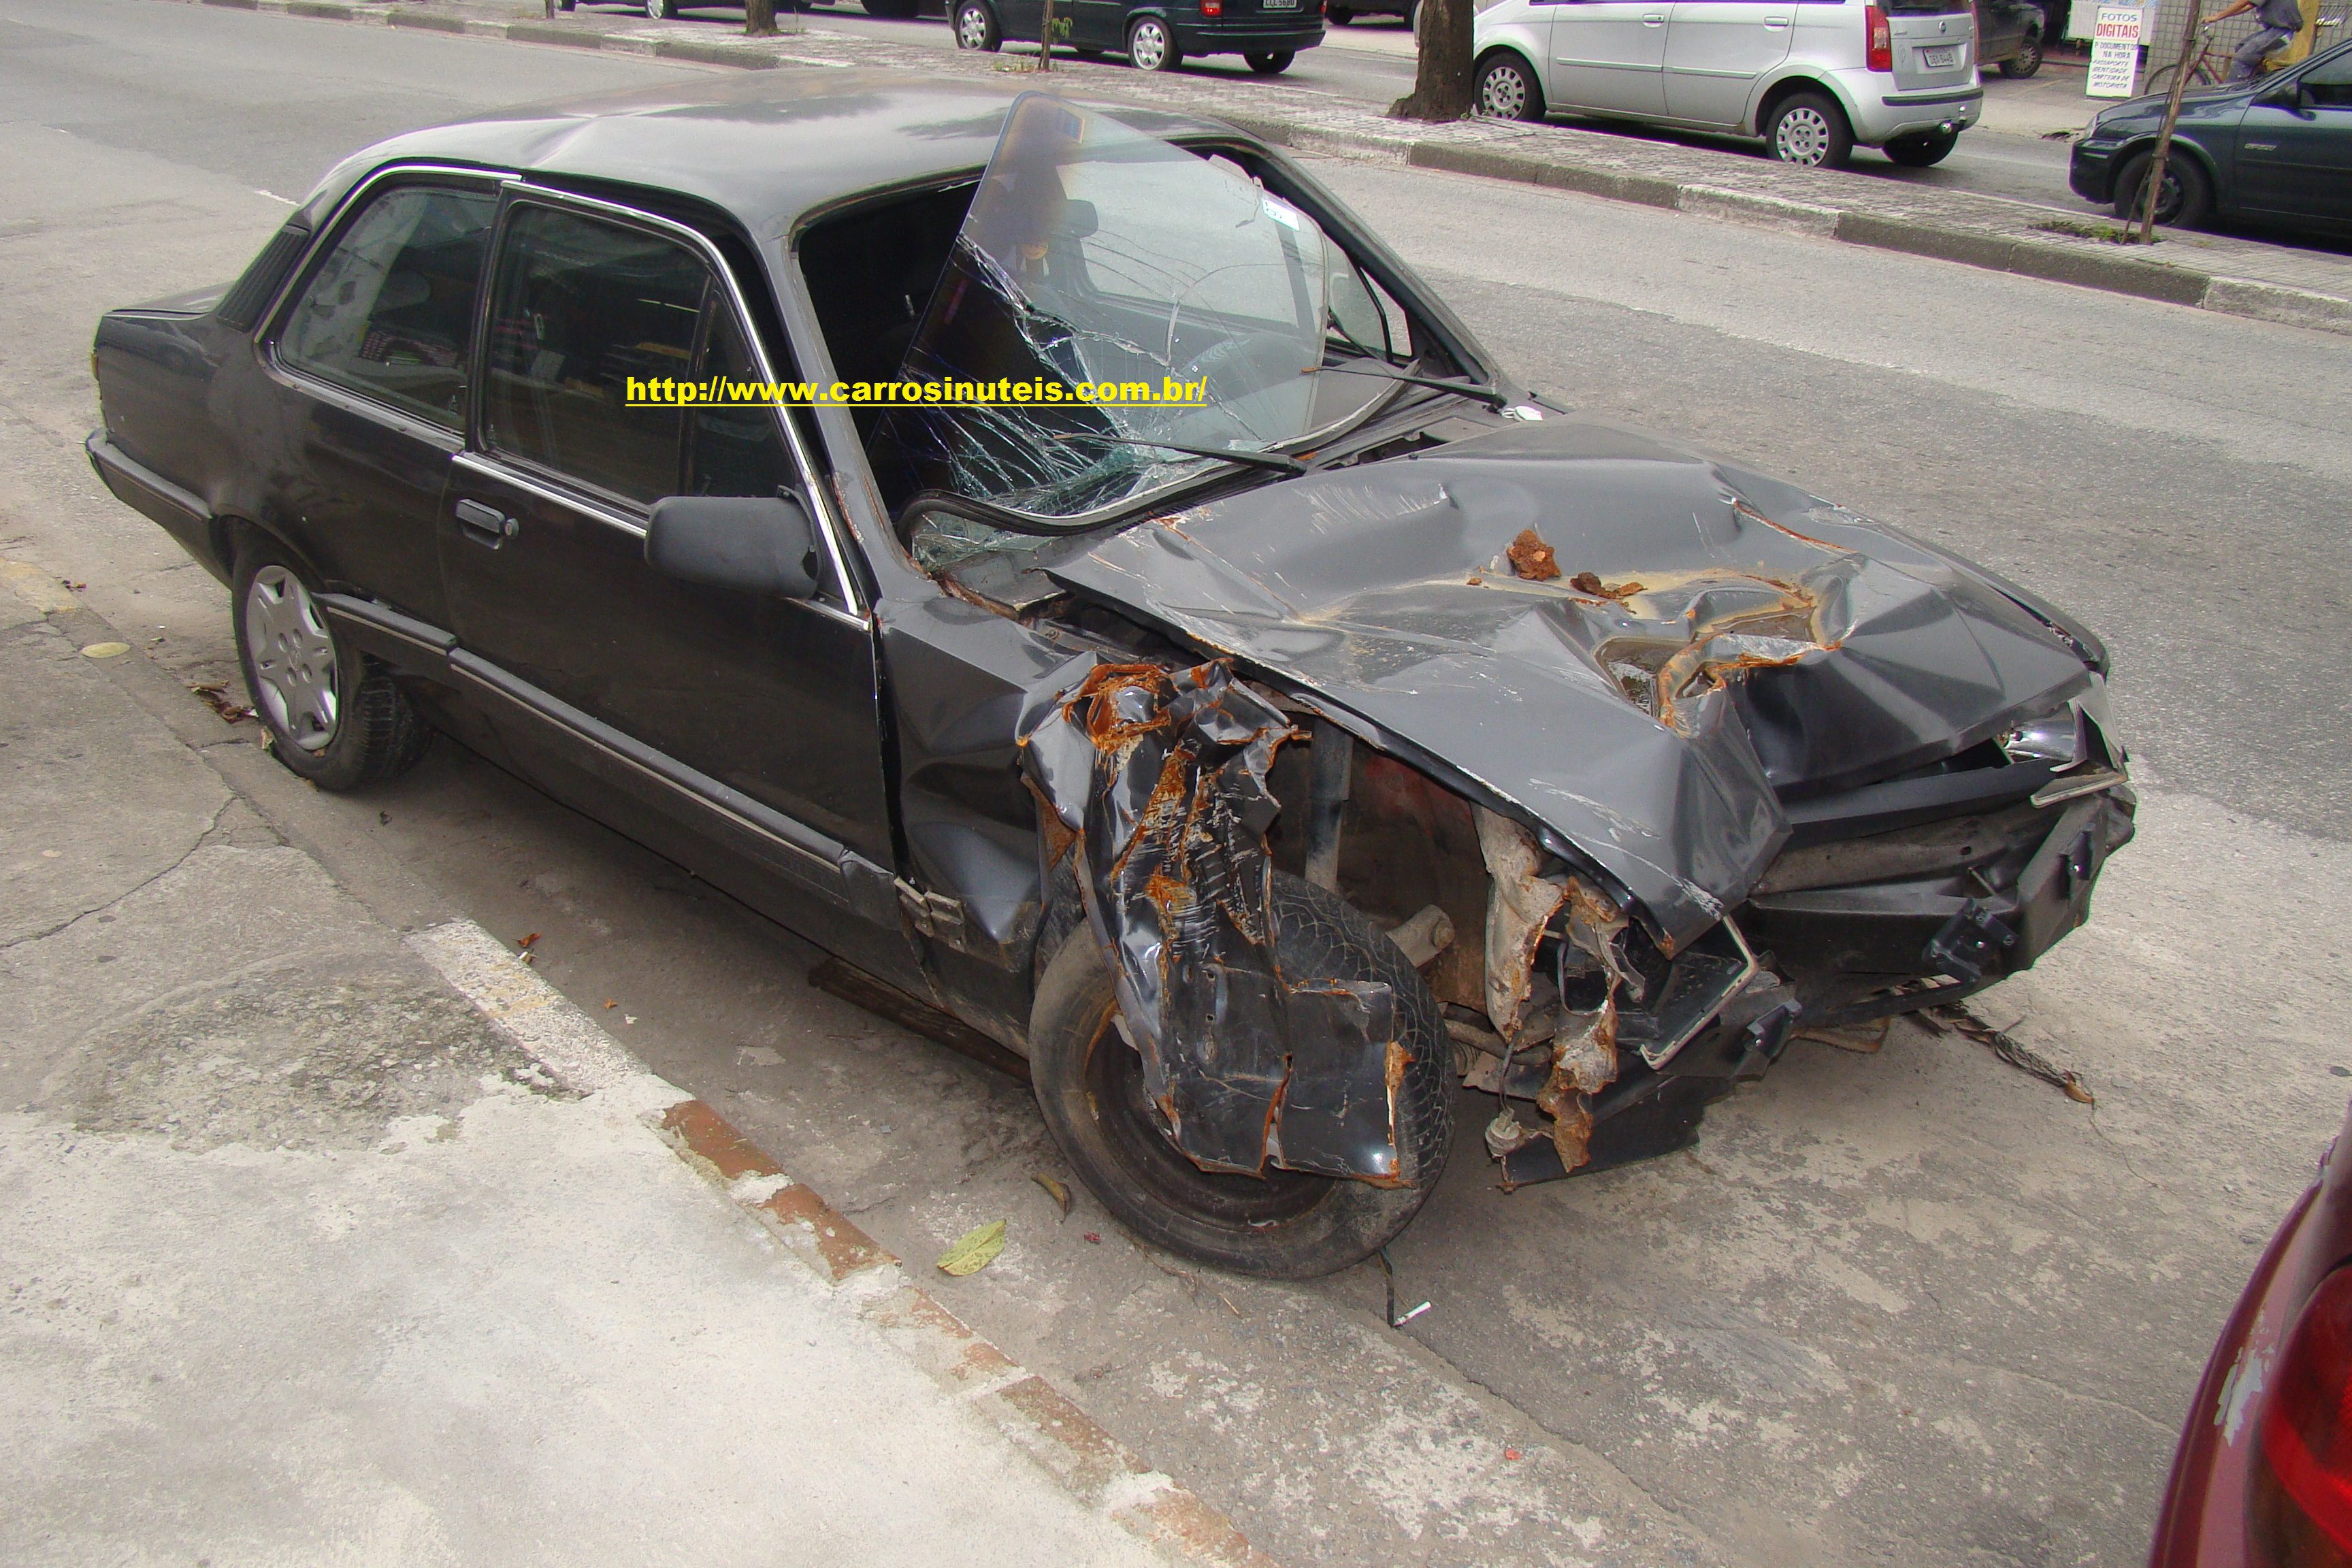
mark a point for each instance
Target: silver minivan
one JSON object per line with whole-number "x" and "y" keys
{"x": 1813, "y": 77}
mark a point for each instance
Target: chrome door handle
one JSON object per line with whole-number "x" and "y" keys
{"x": 1776, "y": 21}
{"x": 485, "y": 525}
{"x": 1653, "y": 18}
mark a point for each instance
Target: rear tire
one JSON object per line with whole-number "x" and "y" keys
{"x": 2028, "y": 58}
{"x": 1507, "y": 90}
{"x": 1286, "y": 1225}
{"x": 2186, "y": 201}
{"x": 1271, "y": 64}
{"x": 661, "y": 10}
{"x": 1922, "y": 150}
{"x": 1810, "y": 131}
{"x": 1150, "y": 47}
{"x": 334, "y": 715}
{"x": 1339, "y": 16}
{"x": 975, "y": 26}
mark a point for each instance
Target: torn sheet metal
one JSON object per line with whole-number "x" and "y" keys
{"x": 1525, "y": 908}
{"x": 1161, "y": 775}
{"x": 1774, "y": 642}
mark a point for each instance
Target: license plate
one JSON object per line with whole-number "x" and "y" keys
{"x": 1940, "y": 59}
{"x": 1278, "y": 5}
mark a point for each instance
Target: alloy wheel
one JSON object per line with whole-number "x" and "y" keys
{"x": 1802, "y": 137}
{"x": 1502, "y": 95}
{"x": 1146, "y": 47}
{"x": 971, "y": 27}
{"x": 293, "y": 659}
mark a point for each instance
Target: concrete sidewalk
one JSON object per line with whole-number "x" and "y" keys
{"x": 325, "y": 1240}
{"x": 2211, "y": 271}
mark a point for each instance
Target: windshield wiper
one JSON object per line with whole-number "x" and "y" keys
{"x": 1274, "y": 460}
{"x": 1492, "y": 397}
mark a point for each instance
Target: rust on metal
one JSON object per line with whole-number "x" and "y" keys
{"x": 1532, "y": 559}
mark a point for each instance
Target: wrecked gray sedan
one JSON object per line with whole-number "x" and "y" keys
{"x": 1148, "y": 629}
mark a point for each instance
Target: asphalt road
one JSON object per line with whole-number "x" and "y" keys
{"x": 1372, "y": 61}
{"x": 1910, "y": 1308}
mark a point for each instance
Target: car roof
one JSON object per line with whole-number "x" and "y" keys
{"x": 765, "y": 147}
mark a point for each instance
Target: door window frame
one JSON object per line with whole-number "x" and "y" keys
{"x": 615, "y": 511}
{"x": 323, "y": 244}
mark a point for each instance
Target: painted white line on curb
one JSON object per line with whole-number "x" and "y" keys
{"x": 528, "y": 1011}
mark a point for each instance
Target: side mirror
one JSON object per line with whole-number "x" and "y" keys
{"x": 755, "y": 544}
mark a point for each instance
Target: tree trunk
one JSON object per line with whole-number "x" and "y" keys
{"x": 760, "y": 17}
{"x": 1442, "y": 85}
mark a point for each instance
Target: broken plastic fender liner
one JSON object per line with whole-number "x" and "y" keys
{"x": 1162, "y": 776}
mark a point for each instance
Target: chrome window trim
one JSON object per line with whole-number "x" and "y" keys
{"x": 820, "y": 501}
{"x": 270, "y": 325}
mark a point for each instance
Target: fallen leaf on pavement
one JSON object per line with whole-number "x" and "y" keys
{"x": 974, "y": 1250}
{"x": 1054, "y": 1190}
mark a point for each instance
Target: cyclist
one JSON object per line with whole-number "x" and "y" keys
{"x": 2281, "y": 21}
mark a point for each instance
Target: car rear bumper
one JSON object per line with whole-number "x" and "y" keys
{"x": 1879, "y": 116}
{"x": 1254, "y": 37}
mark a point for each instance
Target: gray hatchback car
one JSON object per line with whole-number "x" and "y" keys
{"x": 1814, "y": 78}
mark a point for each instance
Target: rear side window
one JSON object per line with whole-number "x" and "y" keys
{"x": 581, "y": 309}
{"x": 389, "y": 310}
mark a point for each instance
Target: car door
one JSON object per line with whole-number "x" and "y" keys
{"x": 1022, "y": 19}
{"x": 737, "y": 732}
{"x": 1094, "y": 23}
{"x": 1715, "y": 52}
{"x": 367, "y": 368}
{"x": 1609, "y": 56}
{"x": 2294, "y": 147}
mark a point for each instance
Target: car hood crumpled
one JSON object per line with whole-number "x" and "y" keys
{"x": 1709, "y": 643}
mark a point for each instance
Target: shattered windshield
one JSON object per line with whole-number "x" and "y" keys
{"x": 1134, "y": 292}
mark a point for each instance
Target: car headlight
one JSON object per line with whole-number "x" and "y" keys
{"x": 2053, "y": 738}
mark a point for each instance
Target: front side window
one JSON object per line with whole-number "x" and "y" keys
{"x": 389, "y": 312}
{"x": 584, "y": 314}
{"x": 2329, "y": 83}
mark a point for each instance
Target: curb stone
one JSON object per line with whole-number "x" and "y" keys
{"x": 1376, "y": 139}
{"x": 1078, "y": 1453}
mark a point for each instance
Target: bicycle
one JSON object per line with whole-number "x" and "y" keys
{"x": 2211, "y": 65}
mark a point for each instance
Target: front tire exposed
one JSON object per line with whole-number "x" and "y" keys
{"x": 1810, "y": 131}
{"x": 1285, "y": 1225}
{"x": 2184, "y": 202}
{"x": 334, "y": 715}
{"x": 1150, "y": 47}
{"x": 1271, "y": 64}
{"x": 975, "y": 26}
{"x": 1507, "y": 90}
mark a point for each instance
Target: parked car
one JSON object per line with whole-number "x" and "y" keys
{"x": 2276, "y": 152}
{"x": 1340, "y": 16}
{"x": 1154, "y": 35}
{"x": 1814, "y": 78}
{"x": 2262, "y": 1476}
{"x": 665, "y": 10}
{"x": 2009, "y": 34}
{"x": 1310, "y": 718}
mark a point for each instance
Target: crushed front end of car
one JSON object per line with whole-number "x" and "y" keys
{"x": 1639, "y": 760}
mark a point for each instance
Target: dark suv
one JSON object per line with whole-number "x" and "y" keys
{"x": 1154, "y": 35}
